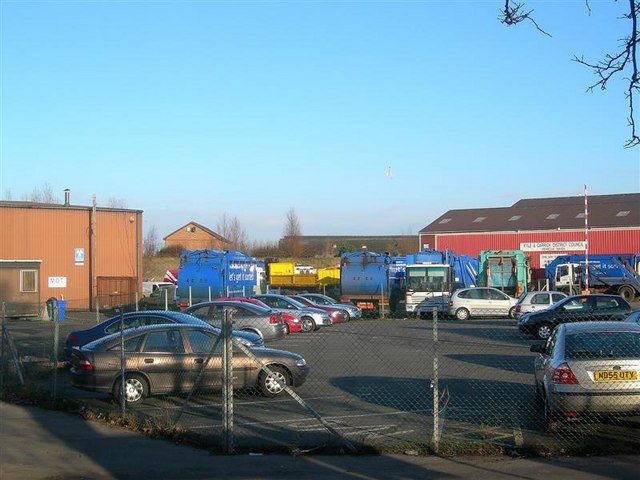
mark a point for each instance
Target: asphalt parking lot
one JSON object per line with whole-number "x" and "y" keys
{"x": 373, "y": 383}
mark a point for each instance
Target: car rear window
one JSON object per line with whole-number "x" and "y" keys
{"x": 614, "y": 345}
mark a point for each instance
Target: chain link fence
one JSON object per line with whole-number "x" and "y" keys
{"x": 432, "y": 384}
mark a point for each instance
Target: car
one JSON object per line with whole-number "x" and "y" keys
{"x": 178, "y": 359}
{"x": 78, "y": 338}
{"x": 633, "y": 317}
{"x": 588, "y": 369}
{"x": 470, "y": 302}
{"x": 338, "y": 315}
{"x": 312, "y": 319}
{"x": 245, "y": 316}
{"x": 575, "y": 308}
{"x": 149, "y": 287}
{"x": 291, "y": 321}
{"x": 534, "y": 301}
{"x": 320, "y": 299}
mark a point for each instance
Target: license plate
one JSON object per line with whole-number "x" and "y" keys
{"x": 615, "y": 375}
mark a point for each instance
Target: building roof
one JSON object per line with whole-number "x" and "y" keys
{"x": 61, "y": 206}
{"x": 604, "y": 211}
{"x": 201, "y": 227}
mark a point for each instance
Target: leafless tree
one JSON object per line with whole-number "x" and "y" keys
{"x": 114, "y": 202}
{"x": 150, "y": 243}
{"x": 7, "y": 194}
{"x": 623, "y": 62}
{"x": 231, "y": 229}
{"x": 292, "y": 241}
{"x": 43, "y": 194}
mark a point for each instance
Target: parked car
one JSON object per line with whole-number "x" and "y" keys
{"x": 633, "y": 317}
{"x": 588, "y": 369}
{"x": 245, "y": 316}
{"x": 480, "y": 302}
{"x": 338, "y": 315}
{"x": 534, "y": 301}
{"x": 310, "y": 318}
{"x": 320, "y": 299}
{"x": 291, "y": 321}
{"x": 166, "y": 359}
{"x": 149, "y": 287}
{"x": 111, "y": 325}
{"x": 575, "y": 308}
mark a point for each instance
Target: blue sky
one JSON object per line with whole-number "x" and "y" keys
{"x": 190, "y": 110}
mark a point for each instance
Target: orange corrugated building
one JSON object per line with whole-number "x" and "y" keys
{"x": 89, "y": 256}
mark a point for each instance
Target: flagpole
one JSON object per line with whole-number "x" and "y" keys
{"x": 586, "y": 239}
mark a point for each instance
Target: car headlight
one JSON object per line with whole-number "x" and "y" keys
{"x": 301, "y": 362}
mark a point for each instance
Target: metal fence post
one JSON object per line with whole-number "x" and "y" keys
{"x": 137, "y": 308}
{"x": 436, "y": 388}
{"x": 56, "y": 336}
{"x": 2, "y": 363}
{"x": 227, "y": 384}
{"x": 123, "y": 401}
{"x": 97, "y": 309}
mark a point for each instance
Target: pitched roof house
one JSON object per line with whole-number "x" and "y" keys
{"x": 194, "y": 236}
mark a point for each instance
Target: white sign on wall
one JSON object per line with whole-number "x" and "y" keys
{"x": 553, "y": 246}
{"x": 57, "y": 282}
{"x": 78, "y": 255}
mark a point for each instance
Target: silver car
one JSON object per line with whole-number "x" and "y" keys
{"x": 310, "y": 318}
{"x": 480, "y": 302}
{"x": 588, "y": 369}
{"x": 320, "y": 299}
{"x": 534, "y": 301}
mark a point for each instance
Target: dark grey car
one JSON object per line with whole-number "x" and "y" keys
{"x": 178, "y": 358}
{"x": 576, "y": 308}
{"x": 245, "y": 316}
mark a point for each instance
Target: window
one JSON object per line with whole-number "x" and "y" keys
{"x": 169, "y": 341}
{"x": 540, "y": 299}
{"x": 623, "y": 213}
{"x": 479, "y": 219}
{"x": 515, "y": 217}
{"x": 131, "y": 345}
{"x": 202, "y": 342}
{"x": 553, "y": 216}
{"x": 445, "y": 220}
{"x": 581, "y": 215}
{"x": 28, "y": 281}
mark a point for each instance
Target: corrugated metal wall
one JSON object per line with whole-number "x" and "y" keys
{"x": 53, "y": 235}
{"x": 600, "y": 242}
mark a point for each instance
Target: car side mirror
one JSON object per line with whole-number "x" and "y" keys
{"x": 537, "y": 348}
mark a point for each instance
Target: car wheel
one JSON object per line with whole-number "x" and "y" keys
{"x": 551, "y": 419}
{"x": 273, "y": 385}
{"x": 135, "y": 389}
{"x": 512, "y": 312}
{"x": 627, "y": 292}
{"x": 347, "y": 316}
{"x": 544, "y": 331}
{"x": 307, "y": 324}
{"x": 462, "y": 314}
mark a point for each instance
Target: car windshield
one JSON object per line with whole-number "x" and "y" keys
{"x": 613, "y": 345}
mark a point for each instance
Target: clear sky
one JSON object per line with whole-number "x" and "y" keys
{"x": 189, "y": 110}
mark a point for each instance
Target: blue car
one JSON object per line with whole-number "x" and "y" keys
{"x": 79, "y": 338}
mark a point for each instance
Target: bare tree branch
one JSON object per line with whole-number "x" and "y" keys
{"x": 625, "y": 58}
{"x": 514, "y": 14}
{"x": 613, "y": 64}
